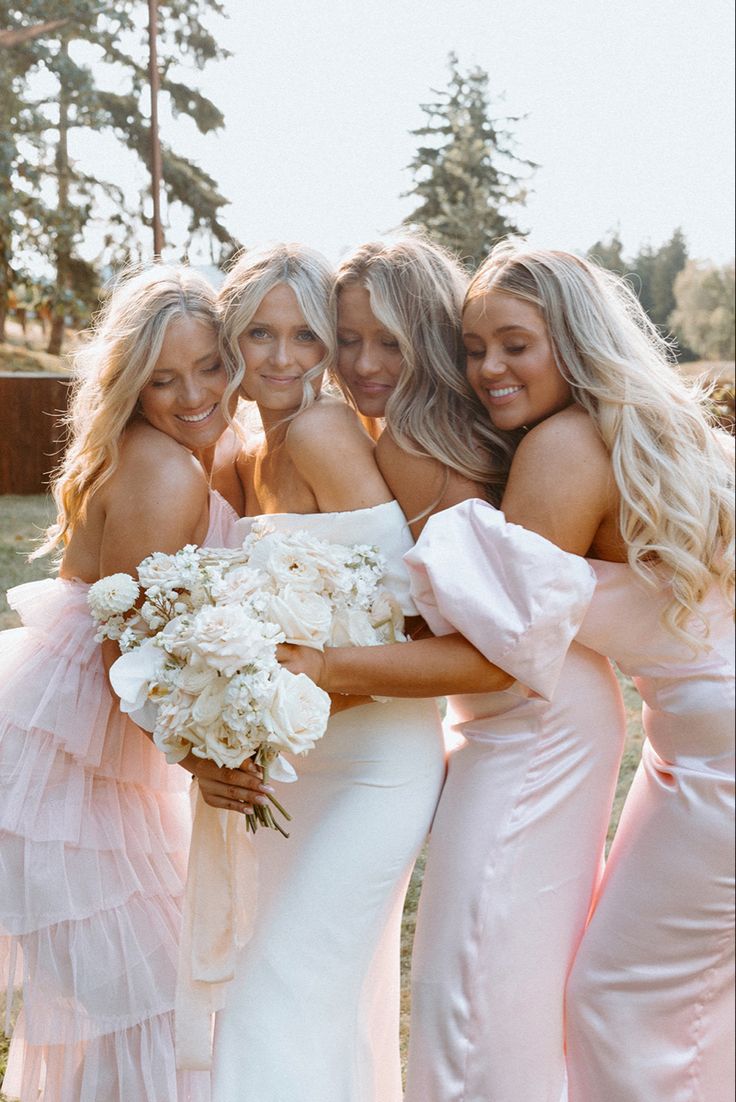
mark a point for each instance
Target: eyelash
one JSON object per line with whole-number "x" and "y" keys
{"x": 304, "y": 335}
{"x": 349, "y": 342}
{"x": 157, "y": 384}
{"x": 476, "y": 354}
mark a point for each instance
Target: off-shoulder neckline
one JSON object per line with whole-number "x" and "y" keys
{"x": 341, "y": 513}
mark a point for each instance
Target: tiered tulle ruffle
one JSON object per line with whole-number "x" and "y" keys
{"x": 94, "y": 831}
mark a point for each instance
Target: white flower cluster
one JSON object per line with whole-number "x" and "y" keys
{"x": 199, "y": 654}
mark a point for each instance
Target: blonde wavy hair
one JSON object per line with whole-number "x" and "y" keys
{"x": 254, "y": 273}
{"x": 670, "y": 463}
{"x": 416, "y": 291}
{"x": 111, "y": 370}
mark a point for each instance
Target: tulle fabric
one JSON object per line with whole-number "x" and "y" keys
{"x": 94, "y": 832}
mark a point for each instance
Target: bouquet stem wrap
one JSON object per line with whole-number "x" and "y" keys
{"x": 219, "y": 909}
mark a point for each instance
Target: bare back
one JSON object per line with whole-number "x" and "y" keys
{"x": 156, "y": 500}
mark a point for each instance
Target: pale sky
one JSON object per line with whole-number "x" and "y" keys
{"x": 629, "y": 107}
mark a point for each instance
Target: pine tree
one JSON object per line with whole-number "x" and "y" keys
{"x": 657, "y": 270}
{"x": 609, "y": 253}
{"x": 465, "y": 172}
{"x": 119, "y": 33}
{"x": 652, "y": 273}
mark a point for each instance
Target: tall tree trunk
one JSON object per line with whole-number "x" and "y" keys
{"x": 153, "y": 79}
{"x": 4, "y": 288}
{"x": 63, "y": 235}
{"x": 6, "y": 189}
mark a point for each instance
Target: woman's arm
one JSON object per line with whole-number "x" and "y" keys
{"x": 157, "y": 501}
{"x": 442, "y": 666}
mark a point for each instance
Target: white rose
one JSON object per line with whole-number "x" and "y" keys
{"x": 209, "y": 702}
{"x": 303, "y": 617}
{"x": 110, "y": 596}
{"x": 173, "y": 733}
{"x": 170, "y": 572}
{"x": 237, "y": 585}
{"x": 352, "y": 627}
{"x": 227, "y": 638}
{"x": 298, "y": 714}
{"x": 387, "y": 617}
{"x": 195, "y": 678}
{"x": 227, "y": 747}
{"x": 286, "y": 565}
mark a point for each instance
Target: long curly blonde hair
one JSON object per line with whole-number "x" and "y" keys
{"x": 111, "y": 369}
{"x": 670, "y": 463}
{"x": 416, "y": 291}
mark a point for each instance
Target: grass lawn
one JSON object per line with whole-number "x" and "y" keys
{"x": 22, "y": 520}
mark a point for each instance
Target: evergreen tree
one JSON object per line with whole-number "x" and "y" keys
{"x": 22, "y": 211}
{"x": 652, "y": 273}
{"x": 657, "y": 270}
{"x": 119, "y": 34}
{"x": 704, "y": 312}
{"x": 465, "y": 171}
{"x": 609, "y": 253}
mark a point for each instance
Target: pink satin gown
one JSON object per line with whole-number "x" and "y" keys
{"x": 518, "y": 840}
{"x": 650, "y": 999}
{"x": 94, "y": 834}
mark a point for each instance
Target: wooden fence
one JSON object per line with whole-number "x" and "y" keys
{"x": 31, "y": 433}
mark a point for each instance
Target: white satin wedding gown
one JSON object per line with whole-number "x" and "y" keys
{"x": 313, "y": 1012}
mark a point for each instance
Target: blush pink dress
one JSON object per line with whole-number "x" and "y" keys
{"x": 650, "y": 1000}
{"x": 94, "y": 833}
{"x": 518, "y": 840}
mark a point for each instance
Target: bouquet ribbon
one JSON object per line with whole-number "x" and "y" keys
{"x": 219, "y": 909}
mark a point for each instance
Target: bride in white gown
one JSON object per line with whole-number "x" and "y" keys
{"x": 313, "y": 1012}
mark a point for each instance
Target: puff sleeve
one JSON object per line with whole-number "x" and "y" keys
{"x": 514, "y": 595}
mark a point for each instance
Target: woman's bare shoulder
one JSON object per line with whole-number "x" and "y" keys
{"x": 569, "y": 436}
{"x": 335, "y": 456}
{"x": 326, "y": 415}
{"x": 421, "y": 484}
{"x": 152, "y": 464}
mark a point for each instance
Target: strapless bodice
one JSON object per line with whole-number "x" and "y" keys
{"x": 382, "y": 526}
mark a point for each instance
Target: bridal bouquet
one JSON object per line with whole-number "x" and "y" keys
{"x": 198, "y": 632}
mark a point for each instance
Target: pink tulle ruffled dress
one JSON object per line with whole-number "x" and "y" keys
{"x": 94, "y": 833}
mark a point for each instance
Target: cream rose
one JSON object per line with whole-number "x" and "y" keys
{"x": 352, "y": 627}
{"x": 303, "y": 617}
{"x": 227, "y": 639}
{"x": 298, "y": 713}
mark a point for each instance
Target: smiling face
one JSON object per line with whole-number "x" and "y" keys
{"x": 182, "y": 397}
{"x": 510, "y": 362}
{"x": 369, "y": 359}
{"x": 279, "y": 349}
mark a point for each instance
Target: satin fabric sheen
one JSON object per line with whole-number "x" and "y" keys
{"x": 94, "y": 833}
{"x": 518, "y": 840}
{"x": 650, "y": 1000}
{"x": 313, "y": 1012}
